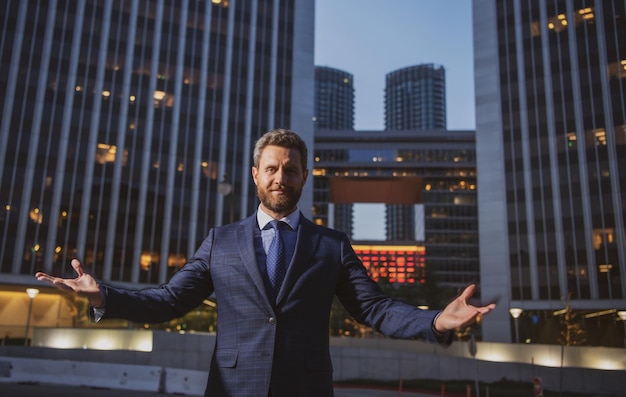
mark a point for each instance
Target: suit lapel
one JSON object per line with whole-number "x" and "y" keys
{"x": 245, "y": 238}
{"x": 306, "y": 241}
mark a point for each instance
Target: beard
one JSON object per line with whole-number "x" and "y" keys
{"x": 281, "y": 204}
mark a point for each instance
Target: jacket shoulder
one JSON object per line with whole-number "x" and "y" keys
{"x": 324, "y": 230}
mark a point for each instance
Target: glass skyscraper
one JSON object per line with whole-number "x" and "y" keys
{"x": 127, "y": 126}
{"x": 334, "y": 99}
{"x": 550, "y": 81}
{"x": 415, "y": 98}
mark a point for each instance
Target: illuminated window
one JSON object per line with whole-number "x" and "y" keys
{"x": 148, "y": 259}
{"x": 571, "y": 139}
{"x": 158, "y": 95}
{"x": 106, "y": 154}
{"x": 162, "y": 99}
{"x": 586, "y": 13}
{"x": 600, "y": 136}
{"x": 397, "y": 264}
{"x": 209, "y": 170}
{"x": 36, "y": 215}
{"x": 605, "y": 267}
{"x": 559, "y": 23}
{"x": 603, "y": 236}
{"x": 176, "y": 260}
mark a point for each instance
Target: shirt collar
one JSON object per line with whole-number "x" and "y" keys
{"x": 292, "y": 219}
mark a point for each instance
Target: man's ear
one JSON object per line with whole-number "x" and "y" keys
{"x": 255, "y": 174}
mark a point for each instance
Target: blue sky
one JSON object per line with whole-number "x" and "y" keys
{"x": 370, "y": 38}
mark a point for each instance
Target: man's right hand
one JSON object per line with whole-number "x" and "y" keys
{"x": 84, "y": 284}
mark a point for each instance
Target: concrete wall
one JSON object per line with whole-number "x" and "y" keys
{"x": 179, "y": 364}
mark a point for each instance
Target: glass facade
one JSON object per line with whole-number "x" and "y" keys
{"x": 127, "y": 126}
{"x": 561, "y": 76}
{"x": 415, "y": 98}
{"x": 334, "y": 99}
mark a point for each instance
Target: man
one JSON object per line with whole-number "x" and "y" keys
{"x": 272, "y": 332}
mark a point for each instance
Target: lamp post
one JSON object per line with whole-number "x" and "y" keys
{"x": 515, "y": 313}
{"x": 622, "y": 314}
{"x": 32, "y": 293}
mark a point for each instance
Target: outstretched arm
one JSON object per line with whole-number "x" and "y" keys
{"x": 459, "y": 313}
{"x": 84, "y": 284}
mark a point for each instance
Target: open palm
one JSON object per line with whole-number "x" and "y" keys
{"x": 84, "y": 284}
{"x": 459, "y": 313}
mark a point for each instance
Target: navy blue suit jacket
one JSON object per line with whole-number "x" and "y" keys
{"x": 261, "y": 344}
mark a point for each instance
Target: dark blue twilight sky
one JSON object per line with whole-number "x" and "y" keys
{"x": 370, "y": 38}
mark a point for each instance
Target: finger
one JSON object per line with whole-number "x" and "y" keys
{"x": 486, "y": 309}
{"x": 44, "y": 277}
{"x": 60, "y": 284}
{"x": 468, "y": 292}
{"x": 78, "y": 268}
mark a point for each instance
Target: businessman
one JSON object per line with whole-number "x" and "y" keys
{"x": 274, "y": 275}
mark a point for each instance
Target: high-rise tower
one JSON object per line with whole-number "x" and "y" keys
{"x": 127, "y": 126}
{"x": 415, "y": 98}
{"x": 550, "y": 80}
{"x": 334, "y": 99}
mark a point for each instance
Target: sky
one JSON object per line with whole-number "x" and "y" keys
{"x": 371, "y": 38}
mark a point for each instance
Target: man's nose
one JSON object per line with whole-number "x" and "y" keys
{"x": 279, "y": 176}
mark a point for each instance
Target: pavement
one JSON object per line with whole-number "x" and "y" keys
{"x": 44, "y": 390}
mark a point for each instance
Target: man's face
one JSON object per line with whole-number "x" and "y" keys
{"x": 279, "y": 179}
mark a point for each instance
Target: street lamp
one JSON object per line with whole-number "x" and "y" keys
{"x": 32, "y": 293}
{"x": 515, "y": 313}
{"x": 622, "y": 314}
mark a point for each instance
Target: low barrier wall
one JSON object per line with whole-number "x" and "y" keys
{"x": 178, "y": 364}
{"x": 80, "y": 373}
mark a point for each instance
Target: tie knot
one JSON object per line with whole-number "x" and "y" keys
{"x": 277, "y": 225}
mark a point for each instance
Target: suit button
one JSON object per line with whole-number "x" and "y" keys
{"x": 272, "y": 320}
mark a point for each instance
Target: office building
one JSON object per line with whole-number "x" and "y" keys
{"x": 550, "y": 80}
{"x": 407, "y": 199}
{"x": 127, "y": 126}
{"x": 334, "y": 99}
{"x": 415, "y": 98}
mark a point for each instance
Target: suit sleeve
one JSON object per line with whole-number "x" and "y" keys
{"x": 182, "y": 293}
{"x": 368, "y": 304}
